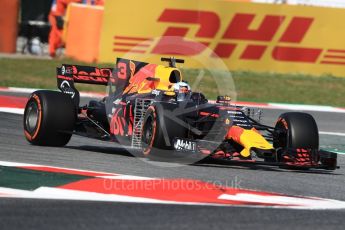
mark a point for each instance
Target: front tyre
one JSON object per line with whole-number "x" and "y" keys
{"x": 49, "y": 118}
{"x": 160, "y": 128}
{"x": 149, "y": 136}
{"x": 296, "y": 130}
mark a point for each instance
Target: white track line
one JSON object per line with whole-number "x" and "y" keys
{"x": 332, "y": 133}
{"x": 295, "y": 202}
{"x": 68, "y": 194}
{"x": 11, "y": 110}
{"x": 316, "y": 108}
{"x": 18, "y": 164}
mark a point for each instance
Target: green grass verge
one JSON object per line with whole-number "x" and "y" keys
{"x": 35, "y": 73}
{"x": 250, "y": 86}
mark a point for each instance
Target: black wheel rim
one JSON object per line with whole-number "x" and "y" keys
{"x": 31, "y": 118}
{"x": 281, "y": 139}
{"x": 148, "y": 132}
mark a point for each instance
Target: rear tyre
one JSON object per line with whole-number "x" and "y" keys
{"x": 296, "y": 130}
{"x": 49, "y": 118}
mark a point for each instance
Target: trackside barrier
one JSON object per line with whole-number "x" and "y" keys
{"x": 246, "y": 36}
{"x": 82, "y": 31}
{"x": 8, "y": 25}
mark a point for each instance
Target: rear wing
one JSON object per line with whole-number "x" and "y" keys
{"x": 67, "y": 75}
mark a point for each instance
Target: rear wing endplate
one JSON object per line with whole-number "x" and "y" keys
{"x": 67, "y": 75}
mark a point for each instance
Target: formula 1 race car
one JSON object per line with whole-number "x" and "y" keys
{"x": 150, "y": 108}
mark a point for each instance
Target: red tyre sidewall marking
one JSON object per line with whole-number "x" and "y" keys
{"x": 148, "y": 149}
{"x": 283, "y": 121}
{"x": 27, "y": 134}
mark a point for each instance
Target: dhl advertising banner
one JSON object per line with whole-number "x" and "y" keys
{"x": 245, "y": 36}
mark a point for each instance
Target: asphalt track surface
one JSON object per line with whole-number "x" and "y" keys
{"x": 83, "y": 153}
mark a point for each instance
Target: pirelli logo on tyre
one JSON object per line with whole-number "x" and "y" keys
{"x": 258, "y": 37}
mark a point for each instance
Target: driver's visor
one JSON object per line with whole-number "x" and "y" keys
{"x": 183, "y": 89}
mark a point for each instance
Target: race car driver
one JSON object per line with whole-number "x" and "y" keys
{"x": 182, "y": 91}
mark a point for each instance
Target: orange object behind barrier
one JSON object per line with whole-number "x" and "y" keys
{"x": 82, "y": 32}
{"x": 8, "y": 25}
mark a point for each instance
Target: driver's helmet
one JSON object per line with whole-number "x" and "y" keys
{"x": 182, "y": 90}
